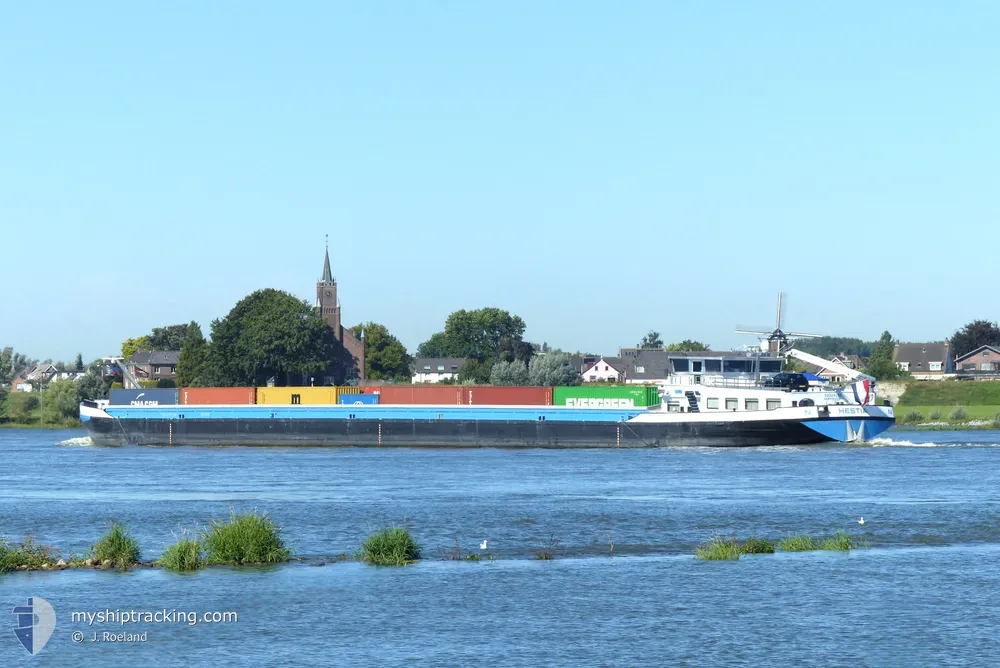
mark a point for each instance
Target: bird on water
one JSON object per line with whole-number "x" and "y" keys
{"x": 861, "y": 521}
{"x": 482, "y": 546}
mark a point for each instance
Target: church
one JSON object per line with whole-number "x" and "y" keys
{"x": 329, "y": 309}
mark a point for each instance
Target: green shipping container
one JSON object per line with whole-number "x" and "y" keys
{"x": 606, "y": 396}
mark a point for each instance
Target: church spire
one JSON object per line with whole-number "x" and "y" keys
{"x": 327, "y": 275}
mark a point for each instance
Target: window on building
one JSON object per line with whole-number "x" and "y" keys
{"x": 712, "y": 404}
{"x": 920, "y": 365}
{"x": 971, "y": 367}
{"x": 986, "y": 353}
{"x": 427, "y": 368}
{"x": 751, "y": 405}
{"x": 935, "y": 366}
{"x": 773, "y": 404}
{"x": 986, "y": 366}
{"x": 737, "y": 366}
{"x": 732, "y": 404}
{"x": 640, "y": 369}
{"x": 454, "y": 367}
{"x": 905, "y": 366}
{"x": 440, "y": 368}
{"x": 713, "y": 365}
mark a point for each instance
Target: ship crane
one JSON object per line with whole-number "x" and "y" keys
{"x": 829, "y": 365}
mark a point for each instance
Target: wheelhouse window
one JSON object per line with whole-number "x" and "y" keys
{"x": 713, "y": 365}
{"x": 770, "y": 366}
{"x": 773, "y": 404}
{"x": 732, "y": 404}
{"x": 737, "y": 366}
{"x": 752, "y": 405}
{"x": 712, "y": 404}
{"x": 696, "y": 366}
{"x": 680, "y": 366}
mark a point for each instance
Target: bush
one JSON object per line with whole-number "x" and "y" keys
{"x": 26, "y": 554}
{"x": 247, "y": 538}
{"x": 166, "y": 384}
{"x": 754, "y": 545}
{"x": 390, "y": 547}
{"x": 958, "y": 414}
{"x": 838, "y": 541}
{"x": 718, "y": 549}
{"x": 913, "y": 417}
{"x": 935, "y": 414}
{"x": 118, "y": 546}
{"x": 996, "y": 420}
{"x": 184, "y": 555}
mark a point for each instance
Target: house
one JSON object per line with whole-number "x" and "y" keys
{"x": 32, "y": 376}
{"x": 657, "y": 366}
{"x": 154, "y": 364}
{"x": 604, "y": 369}
{"x": 924, "y": 361}
{"x": 436, "y": 369}
{"x": 983, "y": 363}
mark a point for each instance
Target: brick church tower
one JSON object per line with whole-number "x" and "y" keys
{"x": 329, "y": 310}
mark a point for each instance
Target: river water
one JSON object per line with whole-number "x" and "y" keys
{"x": 926, "y": 591}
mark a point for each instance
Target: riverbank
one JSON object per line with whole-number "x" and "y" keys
{"x": 71, "y": 424}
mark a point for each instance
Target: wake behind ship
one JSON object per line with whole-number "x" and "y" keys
{"x": 687, "y": 411}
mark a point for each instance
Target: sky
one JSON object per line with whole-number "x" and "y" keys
{"x": 600, "y": 169}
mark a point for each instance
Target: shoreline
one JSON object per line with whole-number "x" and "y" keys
{"x": 35, "y": 425}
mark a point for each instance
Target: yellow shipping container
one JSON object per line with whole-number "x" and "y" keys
{"x": 347, "y": 389}
{"x": 297, "y": 395}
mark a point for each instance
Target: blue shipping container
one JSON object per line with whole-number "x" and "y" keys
{"x": 150, "y": 397}
{"x": 357, "y": 399}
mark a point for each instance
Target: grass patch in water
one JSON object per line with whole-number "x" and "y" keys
{"x": 186, "y": 554}
{"x": 719, "y": 549}
{"x": 117, "y": 546}
{"x": 27, "y": 554}
{"x": 392, "y": 546}
{"x": 798, "y": 543}
{"x": 247, "y": 538}
{"x": 754, "y": 545}
{"x": 839, "y": 541}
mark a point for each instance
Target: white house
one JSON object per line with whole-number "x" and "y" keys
{"x": 606, "y": 369}
{"x": 436, "y": 369}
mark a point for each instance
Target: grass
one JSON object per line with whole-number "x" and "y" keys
{"x": 944, "y": 393}
{"x": 118, "y": 546}
{"x": 754, "y": 545}
{"x": 798, "y": 543}
{"x": 392, "y": 546}
{"x": 944, "y": 413}
{"x": 186, "y": 554}
{"x": 247, "y": 538}
{"x": 27, "y": 554}
{"x": 719, "y": 549}
{"x": 838, "y": 541}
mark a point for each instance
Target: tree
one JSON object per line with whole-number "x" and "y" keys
{"x": 385, "y": 356}
{"x": 479, "y": 334}
{"x": 92, "y": 386}
{"x": 509, "y": 373}
{"x": 828, "y": 346}
{"x": 553, "y": 369}
{"x": 7, "y": 368}
{"x": 436, "y": 346}
{"x": 61, "y": 402}
{"x": 880, "y": 364}
{"x": 512, "y": 350}
{"x": 651, "y": 340}
{"x": 272, "y": 334}
{"x": 687, "y": 345}
{"x": 132, "y": 346}
{"x": 78, "y": 363}
{"x": 20, "y": 407}
{"x": 974, "y": 335}
{"x": 194, "y": 358}
{"x": 170, "y": 337}
{"x": 474, "y": 372}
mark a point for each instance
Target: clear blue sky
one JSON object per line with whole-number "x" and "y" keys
{"x": 598, "y": 168}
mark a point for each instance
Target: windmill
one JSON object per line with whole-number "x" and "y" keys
{"x": 777, "y": 339}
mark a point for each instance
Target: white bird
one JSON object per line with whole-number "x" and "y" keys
{"x": 861, "y": 521}
{"x": 482, "y": 546}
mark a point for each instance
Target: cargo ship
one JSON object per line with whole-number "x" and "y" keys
{"x": 684, "y": 411}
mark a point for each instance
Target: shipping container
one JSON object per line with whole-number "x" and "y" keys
{"x": 146, "y": 397}
{"x": 297, "y": 395}
{"x": 489, "y": 395}
{"x": 606, "y": 396}
{"x": 358, "y": 399}
{"x": 343, "y": 390}
{"x": 218, "y": 395}
{"x": 420, "y": 394}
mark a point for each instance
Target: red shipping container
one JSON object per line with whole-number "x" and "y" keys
{"x": 218, "y": 395}
{"x": 507, "y": 396}
{"x": 420, "y": 394}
